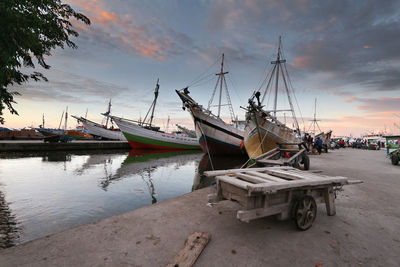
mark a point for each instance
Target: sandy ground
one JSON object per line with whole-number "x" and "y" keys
{"x": 364, "y": 232}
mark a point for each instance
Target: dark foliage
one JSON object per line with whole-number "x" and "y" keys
{"x": 29, "y": 30}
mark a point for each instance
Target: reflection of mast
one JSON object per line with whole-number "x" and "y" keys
{"x": 150, "y": 185}
{"x": 314, "y": 122}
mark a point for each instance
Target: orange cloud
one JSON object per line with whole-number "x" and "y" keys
{"x": 302, "y": 62}
{"x": 122, "y": 29}
{"x": 350, "y": 99}
{"x": 367, "y": 46}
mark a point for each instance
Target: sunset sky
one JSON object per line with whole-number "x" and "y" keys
{"x": 344, "y": 53}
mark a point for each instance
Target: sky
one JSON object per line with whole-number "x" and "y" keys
{"x": 343, "y": 53}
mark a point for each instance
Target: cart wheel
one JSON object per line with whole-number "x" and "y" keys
{"x": 305, "y": 212}
{"x": 305, "y": 161}
{"x": 395, "y": 159}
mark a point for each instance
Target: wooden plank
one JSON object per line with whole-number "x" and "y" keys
{"x": 330, "y": 201}
{"x": 224, "y": 172}
{"x": 266, "y": 176}
{"x": 234, "y": 181}
{"x": 282, "y": 174}
{"x": 270, "y": 153}
{"x": 274, "y": 187}
{"x": 270, "y": 161}
{"x": 192, "y": 249}
{"x": 252, "y": 179}
{"x": 247, "y": 215}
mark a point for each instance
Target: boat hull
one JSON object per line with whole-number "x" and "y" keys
{"x": 215, "y": 136}
{"x": 98, "y": 130}
{"x": 266, "y": 136}
{"x": 142, "y": 138}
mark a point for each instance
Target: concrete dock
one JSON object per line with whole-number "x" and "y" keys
{"x": 40, "y": 145}
{"x": 364, "y": 232}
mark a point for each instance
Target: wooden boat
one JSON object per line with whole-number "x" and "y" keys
{"x": 263, "y": 130}
{"x": 101, "y": 131}
{"x": 215, "y": 136}
{"x": 143, "y": 135}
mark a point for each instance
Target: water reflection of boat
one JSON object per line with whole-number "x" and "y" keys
{"x": 145, "y": 162}
{"x": 217, "y": 163}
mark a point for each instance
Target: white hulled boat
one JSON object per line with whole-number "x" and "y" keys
{"x": 143, "y": 135}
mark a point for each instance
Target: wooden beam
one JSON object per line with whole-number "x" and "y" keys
{"x": 266, "y": 176}
{"x": 234, "y": 181}
{"x": 274, "y": 187}
{"x": 330, "y": 201}
{"x": 251, "y": 179}
{"x": 192, "y": 249}
{"x": 247, "y": 215}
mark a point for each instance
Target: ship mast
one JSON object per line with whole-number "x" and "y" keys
{"x": 108, "y": 113}
{"x": 153, "y": 105}
{"x": 221, "y": 83}
{"x": 314, "y": 122}
{"x": 221, "y": 78}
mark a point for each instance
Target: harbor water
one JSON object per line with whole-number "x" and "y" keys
{"x": 45, "y": 193}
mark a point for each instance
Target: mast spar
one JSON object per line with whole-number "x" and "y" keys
{"x": 153, "y": 106}
{"x": 108, "y": 113}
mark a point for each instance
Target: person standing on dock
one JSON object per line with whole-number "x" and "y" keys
{"x": 318, "y": 142}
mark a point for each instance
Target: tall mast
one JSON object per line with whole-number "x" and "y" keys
{"x": 59, "y": 125}
{"x": 221, "y": 77}
{"x": 314, "y": 122}
{"x": 108, "y": 112}
{"x": 43, "y": 120}
{"x": 154, "y": 102}
{"x": 315, "y": 113}
{"x": 66, "y": 118}
{"x": 277, "y": 75}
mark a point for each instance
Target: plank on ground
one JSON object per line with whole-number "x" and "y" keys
{"x": 194, "y": 245}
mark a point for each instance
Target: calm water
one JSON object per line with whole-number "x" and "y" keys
{"x": 51, "y": 192}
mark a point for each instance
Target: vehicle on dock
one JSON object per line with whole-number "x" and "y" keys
{"x": 281, "y": 191}
{"x": 395, "y": 156}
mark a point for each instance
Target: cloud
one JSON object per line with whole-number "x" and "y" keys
{"x": 152, "y": 39}
{"x": 388, "y": 104}
{"x": 68, "y": 87}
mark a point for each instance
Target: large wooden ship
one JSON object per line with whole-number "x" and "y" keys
{"x": 215, "y": 135}
{"x": 263, "y": 131}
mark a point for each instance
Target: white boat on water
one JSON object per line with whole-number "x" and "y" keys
{"x": 143, "y": 135}
{"x": 215, "y": 136}
{"x": 102, "y": 131}
{"x": 99, "y": 130}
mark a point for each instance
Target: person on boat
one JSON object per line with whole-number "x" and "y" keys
{"x": 319, "y": 144}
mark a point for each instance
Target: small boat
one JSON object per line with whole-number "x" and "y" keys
{"x": 144, "y": 135}
{"x": 263, "y": 130}
{"x": 215, "y": 136}
{"x": 101, "y": 131}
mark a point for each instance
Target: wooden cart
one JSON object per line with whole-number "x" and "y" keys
{"x": 282, "y": 191}
{"x": 283, "y": 156}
